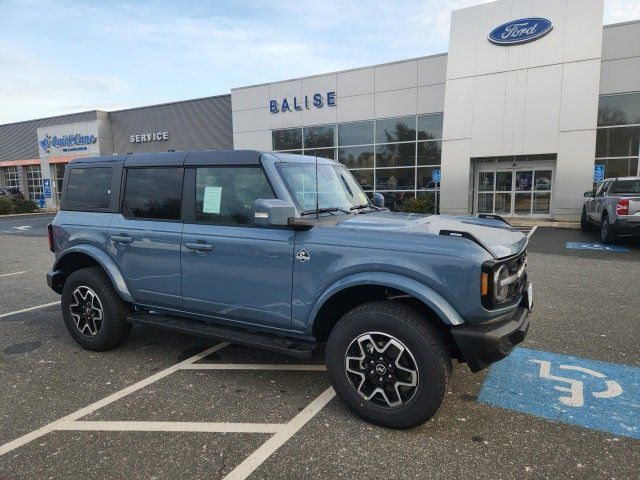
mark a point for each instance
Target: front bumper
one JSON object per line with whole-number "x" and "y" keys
{"x": 485, "y": 343}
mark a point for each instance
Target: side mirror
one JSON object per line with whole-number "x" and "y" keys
{"x": 272, "y": 212}
{"x": 588, "y": 194}
{"x": 378, "y": 200}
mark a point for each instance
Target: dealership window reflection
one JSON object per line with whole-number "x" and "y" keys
{"x": 393, "y": 156}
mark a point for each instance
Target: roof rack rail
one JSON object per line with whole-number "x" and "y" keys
{"x": 491, "y": 216}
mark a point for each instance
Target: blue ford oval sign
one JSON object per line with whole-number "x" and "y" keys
{"x": 520, "y": 31}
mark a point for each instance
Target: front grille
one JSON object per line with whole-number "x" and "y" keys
{"x": 514, "y": 264}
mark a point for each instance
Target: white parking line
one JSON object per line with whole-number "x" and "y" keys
{"x": 50, "y": 427}
{"x": 531, "y": 231}
{"x": 14, "y": 273}
{"x": 37, "y": 307}
{"x": 253, "y": 366}
{"x": 206, "y": 427}
{"x": 267, "y": 449}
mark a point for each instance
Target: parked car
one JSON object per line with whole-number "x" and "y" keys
{"x": 239, "y": 246}
{"x": 613, "y": 207}
{"x": 11, "y": 192}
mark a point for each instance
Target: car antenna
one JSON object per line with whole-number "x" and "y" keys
{"x": 317, "y": 192}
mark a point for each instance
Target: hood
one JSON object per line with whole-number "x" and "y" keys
{"x": 499, "y": 238}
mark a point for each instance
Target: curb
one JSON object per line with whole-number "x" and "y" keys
{"x": 48, "y": 212}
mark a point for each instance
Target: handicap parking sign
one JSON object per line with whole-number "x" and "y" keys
{"x": 436, "y": 175}
{"x": 598, "y": 173}
{"x": 46, "y": 187}
{"x": 596, "y": 395}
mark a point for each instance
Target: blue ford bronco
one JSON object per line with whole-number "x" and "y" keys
{"x": 286, "y": 252}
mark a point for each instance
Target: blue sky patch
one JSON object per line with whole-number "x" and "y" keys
{"x": 596, "y": 395}
{"x": 595, "y": 246}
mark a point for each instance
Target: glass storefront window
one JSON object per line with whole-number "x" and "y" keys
{"x": 618, "y": 142}
{"x": 396, "y": 155}
{"x": 542, "y": 180}
{"x": 287, "y": 139}
{"x": 401, "y": 129}
{"x": 364, "y": 178}
{"x": 425, "y": 177}
{"x": 485, "y": 183}
{"x": 619, "y": 167}
{"x": 395, "y": 179}
{"x": 503, "y": 203}
{"x": 10, "y": 177}
{"x": 541, "y": 203}
{"x": 524, "y": 180}
{"x": 356, "y": 157}
{"x": 355, "y": 133}
{"x": 485, "y": 202}
{"x": 319, "y": 137}
{"x": 619, "y": 109}
{"x": 322, "y": 153}
{"x": 430, "y": 126}
{"x": 34, "y": 181}
{"x": 503, "y": 181}
{"x": 430, "y": 153}
{"x": 57, "y": 176}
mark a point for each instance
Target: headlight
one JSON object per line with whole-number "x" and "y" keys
{"x": 500, "y": 292}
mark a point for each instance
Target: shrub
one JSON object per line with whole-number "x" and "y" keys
{"x": 6, "y": 206}
{"x": 24, "y": 206}
{"x": 418, "y": 205}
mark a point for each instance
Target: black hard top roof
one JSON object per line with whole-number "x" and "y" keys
{"x": 198, "y": 157}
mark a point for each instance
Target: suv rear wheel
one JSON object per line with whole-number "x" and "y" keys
{"x": 388, "y": 364}
{"x": 93, "y": 312}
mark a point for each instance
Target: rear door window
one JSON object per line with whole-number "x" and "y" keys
{"x": 89, "y": 188}
{"x": 153, "y": 193}
{"x": 225, "y": 195}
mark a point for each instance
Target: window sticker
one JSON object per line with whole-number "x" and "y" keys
{"x": 211, "y": 203}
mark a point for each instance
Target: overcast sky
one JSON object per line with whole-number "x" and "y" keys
{"x": 60, "y": 56}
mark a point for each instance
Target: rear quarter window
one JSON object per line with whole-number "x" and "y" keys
{"x": 89, "y": 188}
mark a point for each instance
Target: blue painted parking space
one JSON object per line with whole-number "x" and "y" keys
{"x": 595, "y": 246}
{"x": 596, "y": 395}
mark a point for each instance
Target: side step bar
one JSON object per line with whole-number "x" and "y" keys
{"x": 293, "y": 348}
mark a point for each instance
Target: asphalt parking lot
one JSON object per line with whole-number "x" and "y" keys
{"x": 170, "y": 406}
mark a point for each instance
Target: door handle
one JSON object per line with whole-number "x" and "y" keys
{"x": 199, "y": 247}
{"x": 122, "y": 238}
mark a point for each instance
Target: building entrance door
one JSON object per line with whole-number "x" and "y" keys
{"x": 520, "y": 190}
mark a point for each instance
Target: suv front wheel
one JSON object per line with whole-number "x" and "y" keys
{"x": 93, "y": 312}
{"x": 388, "y": 364}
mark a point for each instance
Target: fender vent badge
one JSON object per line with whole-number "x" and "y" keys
{"x": 303, "y": 256}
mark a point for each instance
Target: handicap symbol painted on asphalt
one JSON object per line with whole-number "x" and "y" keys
{"x": 595, "y": 246}
{"x": 596, "y": 395}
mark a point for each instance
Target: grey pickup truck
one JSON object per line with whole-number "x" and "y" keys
{"x": 286, "y": 252}
{"x": 613, "y": 207}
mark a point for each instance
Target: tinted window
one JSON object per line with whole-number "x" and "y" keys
{"x": 356, "y": 157}
{"x": 225, "y": 195}
{"x": 153, "y": 193}
{"x": 318, "y": 137}
{"x": 430, "y": 127}
{"x": 356, "y": 133}
{"x": 89, "y": 188}
{"x": 401, "y": 129}
{"x": 626, "y": 186}
{"x": 289, "y": 139}
{"x": 619, "y": 109}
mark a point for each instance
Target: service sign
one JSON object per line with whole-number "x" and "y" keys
{"x": 517, "y": 32}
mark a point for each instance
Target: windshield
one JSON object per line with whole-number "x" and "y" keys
{"x": 336, "y": 186}
{"x": 626, "y": 186}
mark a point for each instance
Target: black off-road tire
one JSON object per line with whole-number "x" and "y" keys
{"x": 114, "y": 327}
{"x": 585, "y": 226}
{"x": 425, "y": 344}
{"x": 607, "y": 234}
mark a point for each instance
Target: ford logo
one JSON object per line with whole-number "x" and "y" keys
{"x": 520, "y": 31}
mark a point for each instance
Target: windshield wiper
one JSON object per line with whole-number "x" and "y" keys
{"x": 326, "y": 210}
{"x": 358, "y": 207}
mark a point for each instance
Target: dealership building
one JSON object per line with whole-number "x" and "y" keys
{"x": 532, "y": 95}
